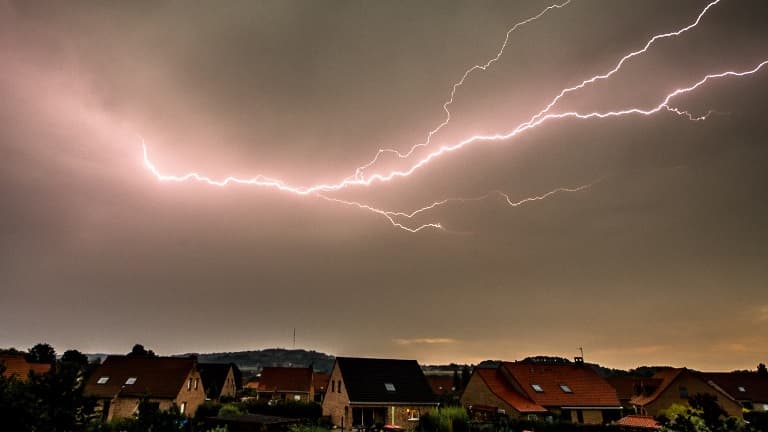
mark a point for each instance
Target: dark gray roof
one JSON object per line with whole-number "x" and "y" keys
{"x": 366, "y": 381}
{"x": 214, "y": 375}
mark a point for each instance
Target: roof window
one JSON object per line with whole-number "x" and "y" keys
{"x": 131, "y": 380}
{"x": 537, "y": 388}
{"x": 565, "y": 388}
{"x": 389, "y": 386}
{"x": 742, "y": 389}
{"x": 102, "y": 380}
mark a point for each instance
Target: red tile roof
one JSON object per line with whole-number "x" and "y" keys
{"x": 743, "y": 386}
{"x": 285, "y": 379}
{"x": 636, "y": 421}
{"x": 161, "y": 377}
{"x": 504, "y": 391}
{"x": 628, "y": 387}
{"x": 17, "y": 365}
{"x": 588, "y": 389}
{"x": 667, "y": 376}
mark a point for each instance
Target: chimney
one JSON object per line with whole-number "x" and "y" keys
{"x": 579, "y": 360}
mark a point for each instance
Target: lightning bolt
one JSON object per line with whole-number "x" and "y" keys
{"x": 543, "y": 116}
{"x": 360, "y": 170}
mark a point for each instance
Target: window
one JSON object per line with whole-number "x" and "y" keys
{"x": 565, "y": 388}
{"x": 183, "y": 408}
{"x": 197, "y": 382}
{"x": 413, "y": 414}
{"x": 389, "y": 386}
{"x": 338, "y": 387}
{"x": 189, "y": 384}
{"x": 683, "y": 392}
{"x": 531, "y": 417}
{"x": 333, "y": 386}
{"x": 130, "y": 381}
{"x": 102, "y": 380}
{"x": 537, "y": 388}
{"x": 742, "y": 389}
{"x": 297, "y": 397}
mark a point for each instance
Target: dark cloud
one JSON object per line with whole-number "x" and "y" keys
{"x": 667, "y": 250}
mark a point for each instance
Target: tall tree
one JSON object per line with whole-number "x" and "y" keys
{"x": 138, "y": 350}
{"x": 761, "y": 369}
{"x": 465, "y": 375}
{"x": 41, "y": 353}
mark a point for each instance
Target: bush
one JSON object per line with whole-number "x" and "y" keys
{"x": 310, "y": 411}
{"x": 447, "y": 419}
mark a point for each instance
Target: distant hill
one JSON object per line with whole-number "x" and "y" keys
{"x": 251, "y": 362}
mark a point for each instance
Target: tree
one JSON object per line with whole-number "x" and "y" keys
{"x": 41, "y": 353}
{"x": 138, "y": 350}
{"x": 456, "y": 380}
{"x": 761, "y": 369}
{"x": 75, "y": 357}
{"x": 710, "y": 411}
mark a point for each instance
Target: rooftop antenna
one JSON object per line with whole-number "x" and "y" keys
{"x": 294, "y": 338}
{"x": 580, "y": 360}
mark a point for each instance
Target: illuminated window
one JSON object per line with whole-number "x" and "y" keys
{"x": 537, "y": 388}
{"x": 413, "y": 414}
{"x": 183, "y": 407}
{"x": 389, "y": 386}
{"x": 742, "y": 389}
{"x": 297, "y": 397}
{"x": 102, "y": 380}
{"x": 197, "y": 381}
{"x": 130, "y": 381}
{"x": 565, "y": 388}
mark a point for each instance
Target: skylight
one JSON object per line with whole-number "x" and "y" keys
{"x": 537, "y": 388}
{"x": 102, "y": 380}
{"x": 389, "y": 387}
{"x": 742, "y": 389}
{"x": 130, "y": 381}
{"x": 565, "y": 388}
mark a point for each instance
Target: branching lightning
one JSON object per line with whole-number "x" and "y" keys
{"x": 396, "y": 218}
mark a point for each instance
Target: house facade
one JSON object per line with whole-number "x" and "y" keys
{"x": 570, "y": 392}
{"x": 286, "y": 384}
{"x": 676, "y": 386}
{"x": 365, "y": 392}
{"x": 120, "y": 383}
{"x": 218, "y": 380}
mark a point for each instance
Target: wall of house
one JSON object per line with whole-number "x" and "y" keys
{"x": 694, "y": 386}
{"x": 588, "y": 416}
{"x": 478, "y": 393}
{"x": 230, "y": 388}
{"x": 194, "y": 397}
{"x": 335, "y": 402}
{"x": 286, "y": 396}
{"x": 406, "y": 416}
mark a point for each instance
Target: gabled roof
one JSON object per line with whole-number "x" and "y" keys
{"x": 285, "y": 379}
{"x": 369, "y": 380}
{"x": 160, "y": 377}
{"x": 637, "y": 421}
{"x": 667, "y": 377}
{"x": 742, "y": 386}
{"x": 587, "y": 388}
{"x": 16, "y": 365}
{"x": 628, "y": 387}
{"x": 501, "y": 387}
{"x": 214, "y": 375}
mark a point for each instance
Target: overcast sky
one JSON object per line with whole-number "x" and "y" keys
{"x": 663, "y": 261}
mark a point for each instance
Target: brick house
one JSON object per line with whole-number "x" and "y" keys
{"x": 365, "y": 392}
{"x": 675, "y": 386}
{"x": 120, "y": 382}
{"x": 219, "y": 380}
{"x": 16, "y": 365}
{"x": 749, "y": 388}
{"x": 286, "y": 383}
{"x": 321, "y": 383}
{"x": 544, "y": 391}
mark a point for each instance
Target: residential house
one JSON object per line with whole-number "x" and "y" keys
{"x": 442, "y": 385}
{"x": 321, "y": 381}
{"x": 16, "y": 365}
{"x": 749, "y": 388}
{"x": 628, "y": 386}
{"x": 571, "y": 392}
{"x": 219, "y": 380}
{"x": 365, "y": 392}
{"x": 676, "y": 386}
{"x": 286, "y": 383}
{"x": 120, "y": 382}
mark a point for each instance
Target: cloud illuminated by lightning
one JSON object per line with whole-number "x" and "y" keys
{"x": 544, "y": 115}
{"x": 360, "y": 170}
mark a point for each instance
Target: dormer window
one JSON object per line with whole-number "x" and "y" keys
{"x": 565, "y": 388}
{"x": 537, "y": 388}
{"x": 102, "y": 380}
{"x": 130, "y": 381}
{"x": 389, "y": 386}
